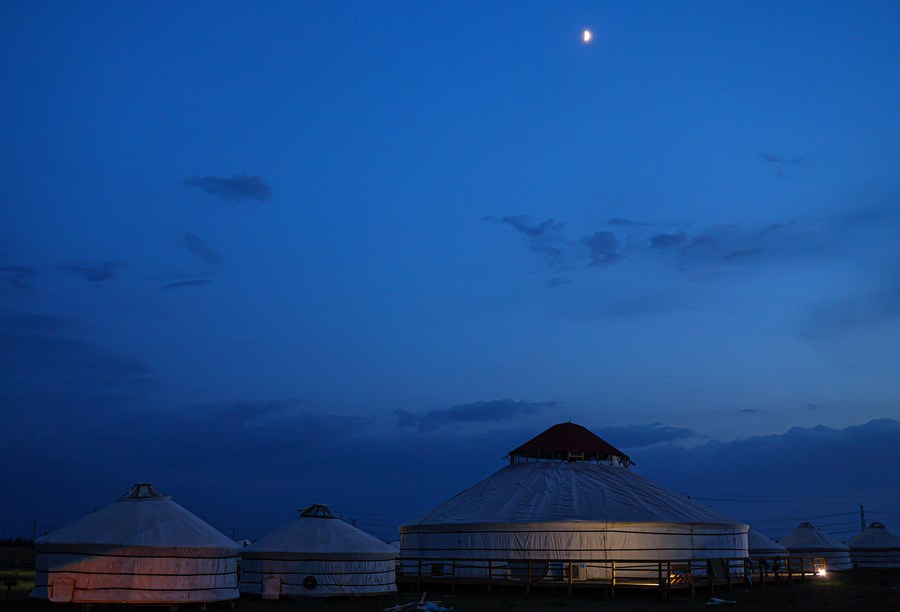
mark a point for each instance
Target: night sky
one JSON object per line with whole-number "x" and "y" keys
{"x": 272, "y": 254}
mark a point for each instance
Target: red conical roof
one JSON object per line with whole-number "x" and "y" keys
{"x": 569, "y": 442}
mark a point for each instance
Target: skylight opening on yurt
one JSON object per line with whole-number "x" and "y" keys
{"x": 143, "y": 490}
{"x": 318, "y": 511}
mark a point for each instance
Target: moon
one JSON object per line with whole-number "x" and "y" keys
{"x": 586, "y": 36}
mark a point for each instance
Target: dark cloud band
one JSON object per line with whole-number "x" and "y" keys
{"x": 238, "y": 187}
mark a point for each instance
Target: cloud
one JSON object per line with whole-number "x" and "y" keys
{"x": 716, "y": 242}
{"x": 743, "y": 253}
{"x": 747, "y": 479}
{"x": 46, "y": 363}
{"x": 503, "y": 410}
{"x": 205, "y": 253}
{"x": 778, "y": 163}
{"x": 719, "y": 245}
{"x": 201, "y": 249}
{"x": 639, "y": 436}
{"x": 536, "y": 231}
{"x": 620, "y": 222}
{"x": 544, "y": 238}
{"x": 192, "y": 282}
{"x": 558, "y": 281}
{"x": 604, "y": 248}
{"x": 862, "y": 309}
{"x": 862, "y": 235}
{"x": 228, "y": 462}
{"x": 772, "y": 227}
{"x": 95, "y": 273}
{"x": 730, "y": 247}
{"x": 244, "y": 412}
{"x": 238, "y": 187}
{"x": 17, "y": 278}
{"x": 704, "y": 240}
{"x": 668, "y": 241}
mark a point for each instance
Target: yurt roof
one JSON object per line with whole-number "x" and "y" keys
{"x": 808, "y": 537}
{"x": 876, "y": 535}
{"x": 758, "y": 543}
{"x": 568, "y": 442}
{"x": 554, "y": 491}
{"x": 143, "y": 519}
{"x": 319, "y": 534}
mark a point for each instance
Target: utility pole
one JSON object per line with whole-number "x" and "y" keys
{"x": 862, "y": 518}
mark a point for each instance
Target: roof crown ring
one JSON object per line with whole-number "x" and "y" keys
{"x": 570, "y": 443}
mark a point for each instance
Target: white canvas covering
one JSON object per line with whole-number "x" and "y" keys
{"x": 144, "y": 548}
{"x": 808, "y": 540}
{"x": 761, "y": 546}
{"x": 560, "y": 510}
{"x": 875, "y": 546}
{"x": 318, "y": 555}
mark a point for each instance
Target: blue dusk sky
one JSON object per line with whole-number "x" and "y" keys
{"x": 271, "y": 254}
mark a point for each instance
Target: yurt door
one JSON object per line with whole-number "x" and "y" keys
{"x": 62, "y": 589}
{"x": 271, "y": 587}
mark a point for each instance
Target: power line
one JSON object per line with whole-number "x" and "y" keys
{"x": 809, "y": 500}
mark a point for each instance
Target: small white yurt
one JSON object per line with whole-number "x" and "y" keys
{"x": 144, "y": 548}
{"x": 765, "y": 553}
{"x": 809, "y": 541}
{"x": 566, "y": 495}
{"x": 318, "y": 555}
{"x": 875, "y": 546}
{"x": 760, "y": 546}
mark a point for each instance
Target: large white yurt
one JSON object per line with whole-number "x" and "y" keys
{"x": 144, "y": 548}
{"x": 875, "y": 546}
{"x": 809, "y": 541}
{"x": 566, "y": 495}
{"x": 318, "y": 555}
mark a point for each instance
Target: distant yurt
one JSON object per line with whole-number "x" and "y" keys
{"x": 809, "y": 541}
{"x": 142, "y": 549}
{"x": 759, "y": 545}
{"x": 566, "y": 495}
{"x": 875, "y": 546}
{"x": 318, "y": 555}
{"x": 764, "y": 552}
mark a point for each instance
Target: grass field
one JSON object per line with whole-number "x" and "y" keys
{"x": 858, "y": 590}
